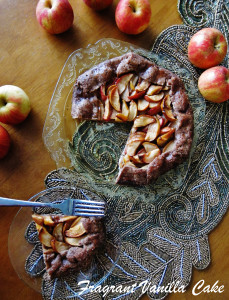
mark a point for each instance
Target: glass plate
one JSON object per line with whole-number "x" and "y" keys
{"x": 19, "y": 249}
{"x": 93, "y": 149}
{"x": 26, "y": 253}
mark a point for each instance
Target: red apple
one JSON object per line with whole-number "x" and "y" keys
{"x": 4, "y": 142}
{"x": 98, "y": 4}
{"x": 14, "y": 104}
{"x": 133, "y": 16}
{"x": 213, "y": 84}
{"x": 55, "y": 16}
{"x": 207, "y": 48}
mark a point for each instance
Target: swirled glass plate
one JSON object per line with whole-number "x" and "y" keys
{"x": 95, "y": 147}
{"x": 19, "y": 249}
{"x": 26, "y": 253}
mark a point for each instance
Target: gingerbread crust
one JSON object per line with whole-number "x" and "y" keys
{"x": 80, "y": 257}
{"x": 86, "y": 105}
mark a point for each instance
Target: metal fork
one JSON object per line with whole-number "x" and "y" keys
{"x": 71, "y": 207}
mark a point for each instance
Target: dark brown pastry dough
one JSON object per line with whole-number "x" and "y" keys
{"x": 79, "y": 257}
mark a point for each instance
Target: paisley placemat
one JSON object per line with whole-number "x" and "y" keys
{"x": 164, "y": 235}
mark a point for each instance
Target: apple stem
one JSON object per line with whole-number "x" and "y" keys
{"x": 2, "y": 102}
{"x": 49, "y": 4}
{"x": 132, "y": 7}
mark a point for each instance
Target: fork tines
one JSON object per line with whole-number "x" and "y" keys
{"x": 89, "y": 208}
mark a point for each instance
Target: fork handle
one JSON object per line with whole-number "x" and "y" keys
{"x": 13, "y": 202}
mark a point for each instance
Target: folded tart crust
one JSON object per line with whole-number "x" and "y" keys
{"x": 131, "y": 88}
{"x": 69, "y": 243}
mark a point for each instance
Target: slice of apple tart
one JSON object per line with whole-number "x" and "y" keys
{"x": 68, "y": 242}
{"x": 131, "y": 88}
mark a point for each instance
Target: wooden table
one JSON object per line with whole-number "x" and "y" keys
{"x": 32, "y": 59}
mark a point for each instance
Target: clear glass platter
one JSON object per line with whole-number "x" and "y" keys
{"x": 26, "y": 253}
{"x": 92, "y": 148}
{"x": 19, "y": 249}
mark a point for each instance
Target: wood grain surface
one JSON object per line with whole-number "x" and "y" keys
{"x": 33, "y": 59}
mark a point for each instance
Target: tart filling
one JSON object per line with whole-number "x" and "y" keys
{"x": 68, "y": 242}
{"x": 130, "y": 88}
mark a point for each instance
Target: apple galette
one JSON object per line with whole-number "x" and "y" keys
{"x": 68, "y": 242}
{"x": 131, "y": 88}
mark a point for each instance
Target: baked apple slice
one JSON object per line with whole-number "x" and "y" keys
{"x": 131, "y": 147}
{"x": 76, "y": 230}
{"x": 162, "y": 120}
{"x": 143, "y": 120}
{"x": 125, "y": 95}
{"x": 154, "y": 98}
{"x": 59, "y": 246}
{"x": 107, "y": 110}
{"x": 165, "y": 130}
{"x": 136, "y": 95}
{"x": 136, "y": 159}
{"x": 149, "y": 146}
{"x": 169, "y": 147}
{"x": 137, "y": 136}
{"x": 115, "y": 99}
{"x": 48, "y": 221}
{"x": 133, "y": 110}
{"x": 123, "y": 82}
{"x": 45, "y": 237}
{"x": 162, "y": 140}
{"x": 125, "y": 112}
{"x": 167, "y": 109}
{"x": 67, "y": 218}
{"x": 74, "y": 241}
{"x": 153, "y": 130}
{"x": 142, "y": 86}
{"x": 153, "y": 89}
{"x": 58, "y": 232}
{"x": 102, "y": 93}
{"x": 133, "y": 82}
{"x": 39, "y": 220}
{"x": 150, "y": 156}
{"x": 154, "y": 108}
{"x": 142, "y": 104}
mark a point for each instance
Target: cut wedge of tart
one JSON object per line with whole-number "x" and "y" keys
{"x": 68, "y": 242}
{"x": 133, "y": 89}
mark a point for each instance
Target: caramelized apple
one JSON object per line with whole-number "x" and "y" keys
{"x": 136, "y": 95}
{"x": 167, "y": 109}
{"x": 153, "y": 130}
{"x": 76, "y": 231}
{"x": 142, "y": 104}
{"x": 107, "y": 110}
{"x": 154, "y": 89}
{"x": 162, "y": 140}
{"x": 143, "y": 120}
{"x": 59, "y": 246}
{"x": 115, "y": 99}
{"x": 154, "y": 108}
{"x": 133, "y": 110}
{"x": 169, "y": 147}
{"x": 58, "y": 232}
{"x": 45, "y": 237}
{"x": 133, "y": 82}
{"x": 132, "y": 147}
{"x": 125, "y": 112}
{"x": 149, "y": 146}
{"x": 154, "y": 98}
{"x": 142, "y": 86}
{"x": 123, "y": 81}
{"x": 150, "y": 156}
{"x": 102, "y": 93}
